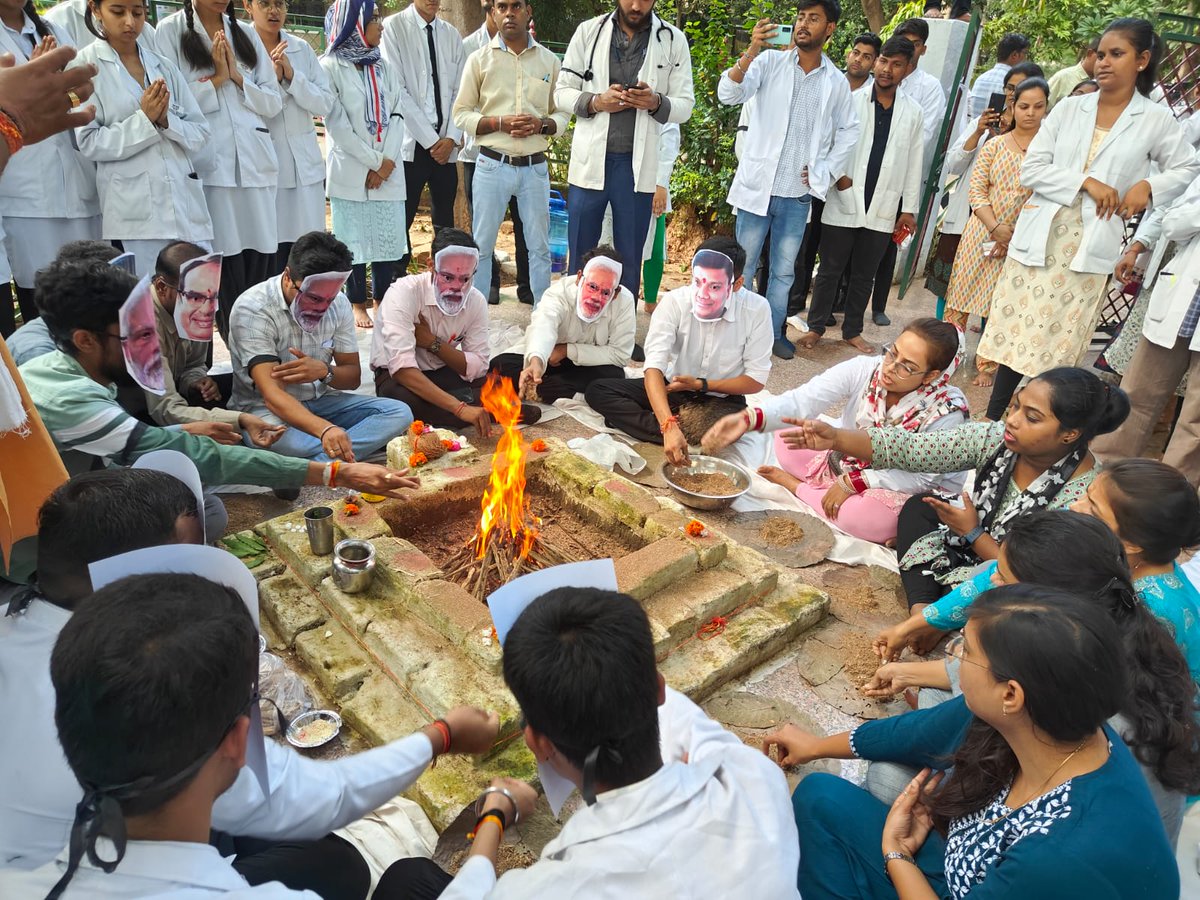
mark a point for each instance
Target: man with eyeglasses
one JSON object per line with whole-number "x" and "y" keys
{"x": 430, "y": 347}
{"x": 192, "y": 395}
{"x": 581, "y": 332}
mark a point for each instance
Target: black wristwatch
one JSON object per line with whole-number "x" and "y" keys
{"x": 704, "y": 385}
{"x": 548, "y": 126}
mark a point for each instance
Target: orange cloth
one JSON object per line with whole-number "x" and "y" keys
{"x": 30, "y": 469}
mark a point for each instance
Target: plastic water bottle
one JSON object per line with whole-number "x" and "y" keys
{"x": 558, "y": 233}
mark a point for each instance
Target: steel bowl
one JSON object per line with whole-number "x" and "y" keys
{"x": 704, "y": 465}
{"x": 294, "y": 727}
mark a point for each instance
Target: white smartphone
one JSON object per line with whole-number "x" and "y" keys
{"x": 783, "y": 36}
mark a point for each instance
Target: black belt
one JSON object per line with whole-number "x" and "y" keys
{"x": 532, "y": 159}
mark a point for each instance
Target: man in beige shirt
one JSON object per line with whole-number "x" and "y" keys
{"x": 506, "y": 101}
{"x": 192, "y": 395}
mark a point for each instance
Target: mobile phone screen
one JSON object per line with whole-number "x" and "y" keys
{"x": 996, "y": 102}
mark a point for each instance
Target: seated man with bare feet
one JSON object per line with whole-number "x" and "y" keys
{"x": 709, "y": 345}
{"x": 430, "y": 347}
{"x": 879, "y": 191}
{"x": 581, "y": 331}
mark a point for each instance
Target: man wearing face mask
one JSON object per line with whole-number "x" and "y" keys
{"x": 295, "y": 359}
{"x": 430, "y": 347}
{"x": 708, "y": 342}
{"x": 581, "y": 332}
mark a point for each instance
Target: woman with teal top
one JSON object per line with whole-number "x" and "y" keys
{"x": 1154, "y": 511}
{"x": 1039, "y": 797}
{"x": 1069, "y": 551}
{"x": 1037, "y": 458}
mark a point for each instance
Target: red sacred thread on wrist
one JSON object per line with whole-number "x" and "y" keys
{"x": 487, "y": 817}
{"x": 11, "y": 132}
{"x": 444, "y": 729}
{"x": 666, "y": 424}
{"x": 333, "y": 472}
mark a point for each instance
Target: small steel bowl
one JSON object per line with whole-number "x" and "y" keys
{"x": 303, "y": 719}
{"x": 704, "y": 465}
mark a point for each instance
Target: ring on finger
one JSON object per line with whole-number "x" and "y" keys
{"x": 74, "y": 98}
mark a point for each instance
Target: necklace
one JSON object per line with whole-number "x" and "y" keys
{"x": 1018, "y": 143}
{"x": 1041, "y": 790}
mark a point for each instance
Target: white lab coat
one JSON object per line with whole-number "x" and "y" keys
{"x": 242, "y": 153}
{"x": 308, "y": 798}
{"x": 308, "y": 94}
{"x": 473, "y": 42}
{"x": 1145, "y": 133}
{"x": 68, "y": 15}
{"x": 49, "y": 179}
{"x": 899, "y": 181}
{"x": 718, "y": 825}
{"x": 1174, "y": 285}
{"x": 958, "y": 165}
{"x": 769, "y": 82}
{"x": 149, "y": 189}
{"x": 406, "y": 50}
{"x": 667, "y": 69}
{"x": 351, "y": 150}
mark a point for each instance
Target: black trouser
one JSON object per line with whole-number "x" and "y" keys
{"x": 1004, "y": 385}
{"x": 430, "y": 413}
{"x": 917, "y": 519}
{"x": 624, "y": 405}
{"x": 443, "y": 188}
{"x": 524, "y": 291}
{"x": 416, "y": 878}
{"x": 857, "y": 250}
{"x": 281, "y": 257}
{"x": 240, "y": 272}
{"x": 224, "y": 385}
{"x": 8, "y": 317}
{"x": 806, "y": 260}
{"x": 563, "y": 380}
{"x": 331, "y": 867}
{"x": 883, "y": 278}
{"x": 383, "y": 273}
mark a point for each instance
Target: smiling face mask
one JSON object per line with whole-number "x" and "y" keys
{"x": 453, "y": 271}
{"x": 317, "y": 292}
{"x": 139, "y": 339}
{"x": 596, "y": 286}
{"x": 712, "y": 284}
{"x": 196, "y": 300}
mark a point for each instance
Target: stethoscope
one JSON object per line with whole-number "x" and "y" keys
{"x": 589, "y": 74}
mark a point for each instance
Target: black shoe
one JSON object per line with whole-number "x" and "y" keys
{"x": 784, "y": 348}
{"x": 531, "y": 414}
{"x": 525, "y": 295}
{"x": 494, "y": 296}
{"x": 831, "y": 321}
{"x": 288, "y": 494}
{"x": 639, "y": 354}
{"x": 881, "y": 320}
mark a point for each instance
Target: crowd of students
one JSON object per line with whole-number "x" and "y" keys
{"x": 1056, "y": 742}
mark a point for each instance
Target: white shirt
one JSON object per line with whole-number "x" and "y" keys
{"x": 406, "y": 49}
{"x": 770, "y": 82}
{"x": 719, "y": 825}
{"x": 555, "y": 320}
{"x": 843, "y": 385}
{"x": 990, "y": 82}
{"x": 307, "y": 94}
{"x": 928, "y": 94}
{"x": 68, "y": 15}
{"x": 739, "y": 343}
{"x": 149, "y": 187}
{"x": 150, "y": 869}
{"x": 38, "y": 793}
{"x": 394, "y": 343}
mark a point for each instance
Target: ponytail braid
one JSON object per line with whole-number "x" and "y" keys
{"x": 243, "y": 47}
{"x": 194, "y": 50}
{"x": 39, "y": 24}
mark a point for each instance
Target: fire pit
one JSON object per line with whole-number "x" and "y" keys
{"x": 419, "y": 641}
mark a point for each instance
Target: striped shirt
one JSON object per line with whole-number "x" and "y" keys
{"x": 91, "y": 431}
{"x": 802, "y": 119}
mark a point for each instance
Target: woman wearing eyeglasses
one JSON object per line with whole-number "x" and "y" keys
{"x": 1037, "y": 458}
{"x": 1158, "y": 626}
{"x": 906, "y": 389}
{"x": 1038, "y": 796}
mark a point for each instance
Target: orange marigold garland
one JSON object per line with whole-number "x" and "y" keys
{"x": 352, "y": 507}
{"x": 417, "y": 428}
{"x": 417, "y": 459}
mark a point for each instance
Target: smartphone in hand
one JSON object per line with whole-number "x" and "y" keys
{"x": 997, "y": 101}
{"x": 783, "y": 36}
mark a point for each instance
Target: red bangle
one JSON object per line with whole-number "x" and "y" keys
{"x": 11, "y": 132}
{"x": 444, "y": 729}
{"x": 857, "y": 481}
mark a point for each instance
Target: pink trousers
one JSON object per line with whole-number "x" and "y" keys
{"x": 861, "y": 515}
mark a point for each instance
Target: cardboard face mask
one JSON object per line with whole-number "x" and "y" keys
{"x": 316, "y": 295}
{"x": 453, "y": 271}
{"x": 712, "y": 284}
{"x": 196, "y": 303}
{"x": 597, "y": 284}
{"x": 139, "y": 339}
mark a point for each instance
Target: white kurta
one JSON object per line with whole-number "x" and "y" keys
{"x": 47, "y": 191}
{"x": 555, "y": 320}
{"x": 241, "y": 169}
{"x": 300, "y": 197}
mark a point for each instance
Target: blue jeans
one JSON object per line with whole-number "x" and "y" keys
{"x": 631, "y": 218}
{"x": 786, "y": 219}
{"x": 494, "y": 184}
{"x": 369, "y": 421}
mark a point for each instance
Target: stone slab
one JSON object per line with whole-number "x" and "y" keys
{"x": 339, "y": 664}
{"x": 380, "y": 711}
{"x": 450, "y": 610}
{"x": 710, "y": 549}
{"x": 574, "y": 473}
{"x": 812, "y": 547}
{"x": 656, "y": 566}
{"x": 289, "y": 606}
{"x": 630, "y": 503}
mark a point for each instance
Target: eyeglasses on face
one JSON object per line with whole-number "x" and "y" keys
{"x": 198, "y": 297}
{"x": 606, "y": 293}
{"x": 273, "y": 5}
{"x": 892, "y": 360}
{"x": 956, "y": 647}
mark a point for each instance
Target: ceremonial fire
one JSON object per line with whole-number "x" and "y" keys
{"x": 506, "y": 542}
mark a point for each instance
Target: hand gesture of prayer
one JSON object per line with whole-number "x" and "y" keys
{"x": 283, "y": 66}
{"x": 46, "y": 44}
{"x": 221, "y": 67}
{"x": 155, "y": 100}
{"x": 724, "y": 432}
{"x": 960, "y": 520}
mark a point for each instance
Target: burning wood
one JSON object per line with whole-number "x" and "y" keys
{"x": 507, "y": 542}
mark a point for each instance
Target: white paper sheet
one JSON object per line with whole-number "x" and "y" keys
{"x": 508, "y": 602}
{"x": 174, "y": 463}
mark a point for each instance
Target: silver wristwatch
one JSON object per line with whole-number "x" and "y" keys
{"x": 328, "y": 379}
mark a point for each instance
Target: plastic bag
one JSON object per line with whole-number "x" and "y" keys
{"x": 279, "y": 683}
{"x": 604, "y": 451}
